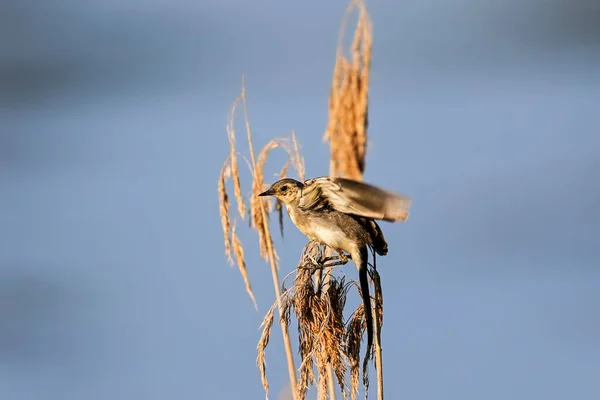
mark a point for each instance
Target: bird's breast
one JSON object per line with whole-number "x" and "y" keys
{"x": 302, "y": 221}
{"x": 321, "y": 227}
{"x": 331, "y": 235}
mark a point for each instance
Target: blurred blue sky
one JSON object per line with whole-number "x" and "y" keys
{"x": 113, "y": 283}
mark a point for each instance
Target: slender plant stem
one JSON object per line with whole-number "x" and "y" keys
{"x": 330, "y": 382}
{"x": 378, "y": 363}
{"x": 378, "y": 355}
{"x": 284, "y": 327}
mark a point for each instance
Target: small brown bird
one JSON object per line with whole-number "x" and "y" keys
{"x": 341, "y": 214}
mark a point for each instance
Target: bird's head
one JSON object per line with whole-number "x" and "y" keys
{"x": 287, "y": 190}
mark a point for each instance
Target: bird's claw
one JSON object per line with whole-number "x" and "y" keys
{"x": 327, "y": 262}
{"x": 334, "y": 261}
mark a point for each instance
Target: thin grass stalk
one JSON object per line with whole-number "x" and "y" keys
{"x": 273, "y": 264}
{"x": 330, "y": 382}
{"x": 378, "y": 323}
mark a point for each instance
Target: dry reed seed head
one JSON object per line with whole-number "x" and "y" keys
{"x": 348, "y": 116}
{"x": 307, "y": 376}
{"x": 320, "y": 322}
{"x": 286, "y": 308}
{"x": 284, "y": 169}
{"x": 297, "y": 158}
{"x": 328, "y": 338}
{"x": 361, "y": 69}
{"x": 258, "y": 186}
{"x": 354, "y": 333}
{"x": 335, "y": 349}
{"x": 239, "y": 256}
{"x": 367, "y": 43}
{"x": 262, "y": 345}
{"x": 337, "y": 291}
{"x": 361, "y": 107}
{"x": 333, "y": 120}
{"x": 303, "y": 295}
{"x": 233, "y": 156}
{"x": 224, "y": 210}
{"x": 237, "y": 188}
{"x": 266, "y": 325}
{"x": 348, "y": 144}
{"x": 302, "y": 307}
{"x": 257, "y": 223}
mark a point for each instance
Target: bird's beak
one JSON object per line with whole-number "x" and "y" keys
{"x": 267, "y": 193}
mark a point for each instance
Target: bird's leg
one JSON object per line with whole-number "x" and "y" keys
{"x": 328, "y": 262}
{"x": 340, "y": 259}
{"x": 333, "y": 264}
{"x": 343, "y": 258}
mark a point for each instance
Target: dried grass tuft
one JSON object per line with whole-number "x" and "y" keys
{"x": 324, "y": 338}
{"x": 256, "y": 203}
{"x": 348, "y": 99}
{"x": 355, "y": 330}
{"x": 262, "y": 345}
{"x": 239, "y": 257}
{"x": 224, "y": 209}
{"x": 237, "y": 187}
{"x": 297, "y": 158}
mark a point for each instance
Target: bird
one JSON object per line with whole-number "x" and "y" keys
{"x": 341, "y": 214}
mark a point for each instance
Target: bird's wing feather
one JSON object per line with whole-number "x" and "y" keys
{"x": 352, "y": 197}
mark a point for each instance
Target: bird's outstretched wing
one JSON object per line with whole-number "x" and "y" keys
{"x": 352, "y": 197}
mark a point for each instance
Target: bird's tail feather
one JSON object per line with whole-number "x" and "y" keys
{"x": 363, "y": 277}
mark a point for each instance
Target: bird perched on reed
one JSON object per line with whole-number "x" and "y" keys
{"x": 341, "y": 214}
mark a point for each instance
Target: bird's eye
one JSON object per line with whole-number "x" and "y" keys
{"x": 283, "y": 188}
